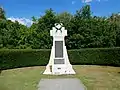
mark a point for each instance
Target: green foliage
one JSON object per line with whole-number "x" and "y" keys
{"x": 21, "y": 58}
{"x": 2, "y": 13}
{"x": 83, "y": 13}
{"x": 84, "y": 30}
{"x": 95, "y": 56}
{"x": 31, "y": 57}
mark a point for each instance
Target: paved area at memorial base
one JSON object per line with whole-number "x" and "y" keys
{"x": 61, "y": 84}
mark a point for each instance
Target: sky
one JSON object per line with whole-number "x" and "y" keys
{"x": 23, "y": 10}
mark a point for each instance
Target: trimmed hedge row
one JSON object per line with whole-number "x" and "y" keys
{"x": 96, "y": 56}
{"x": 13, "y": 58}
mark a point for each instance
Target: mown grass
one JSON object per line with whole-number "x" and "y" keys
{"x": 93, "y": 77}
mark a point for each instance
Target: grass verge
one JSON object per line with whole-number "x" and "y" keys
{"x": 94, "y": 77}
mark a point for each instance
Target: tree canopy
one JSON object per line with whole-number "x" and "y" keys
{"x": 84, "y": 30}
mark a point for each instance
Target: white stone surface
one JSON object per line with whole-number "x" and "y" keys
{"x": 58, "y": 32}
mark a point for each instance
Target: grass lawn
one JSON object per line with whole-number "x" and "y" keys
{"x": 94, "y": 77}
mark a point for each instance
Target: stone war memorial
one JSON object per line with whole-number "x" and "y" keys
{"x": 59, "y": 62}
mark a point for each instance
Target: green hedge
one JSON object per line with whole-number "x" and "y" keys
{"x": 12, "y": 58}
{"x": 22, "y": 58}
{"x": 96, "y": 56}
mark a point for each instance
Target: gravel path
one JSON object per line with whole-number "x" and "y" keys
{"x": 61, "y": 84}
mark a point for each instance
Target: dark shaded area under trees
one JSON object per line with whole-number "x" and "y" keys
{"x": 84, "y": 30}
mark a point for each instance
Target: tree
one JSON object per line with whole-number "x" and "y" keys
{"x": 65, "y": 18}
{"x": 84, "y": 30}
{"x": 2, "y": 13}
{"x": 83, "y": 13}
{"x": 34, "y": 19}
{"x": 41, "y": 30}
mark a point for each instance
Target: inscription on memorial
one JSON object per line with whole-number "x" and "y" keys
{"x": 58, "y": 52}
{"x": 58, "y": 49}
{"x": 58, "y": 61}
